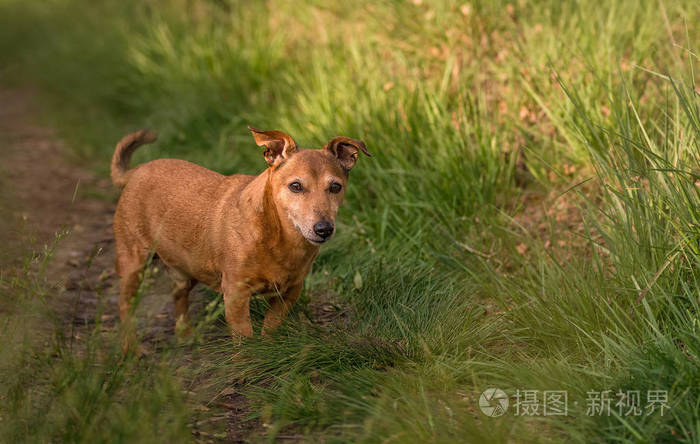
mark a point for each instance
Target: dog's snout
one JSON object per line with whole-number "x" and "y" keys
{"x": 324, "y": 229}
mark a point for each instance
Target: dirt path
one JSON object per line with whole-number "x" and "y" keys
{"x": 46, "y": 196}
{"x": 42, "y": 196}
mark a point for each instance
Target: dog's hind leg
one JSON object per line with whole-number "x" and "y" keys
{"x": 183, "y": 285}
{"x": 130, "y": 265}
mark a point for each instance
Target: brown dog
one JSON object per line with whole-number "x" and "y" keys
{"x": 240, "y": 235}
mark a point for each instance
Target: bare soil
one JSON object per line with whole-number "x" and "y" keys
{"x": 50, "y": 200}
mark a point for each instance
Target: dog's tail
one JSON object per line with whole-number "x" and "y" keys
{"x": 122, "y": 154}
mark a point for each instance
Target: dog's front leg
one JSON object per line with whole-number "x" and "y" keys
{"x": 279, "y": 307}
{"x": 237, "y": 306}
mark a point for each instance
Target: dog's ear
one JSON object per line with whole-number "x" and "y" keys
{"x": 278, "y": 145}
{"x": 345, "y": 150}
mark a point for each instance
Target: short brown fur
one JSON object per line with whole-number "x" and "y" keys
{"x": 240, "y": 235}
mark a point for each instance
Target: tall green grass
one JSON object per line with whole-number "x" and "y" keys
{"x": 465, "y": 108}
{"x": 73, "y": 384}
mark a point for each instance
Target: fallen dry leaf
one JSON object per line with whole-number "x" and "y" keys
{"x": 522, "y": 248}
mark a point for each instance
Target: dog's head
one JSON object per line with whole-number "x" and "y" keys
{"x": 307, "y": 185}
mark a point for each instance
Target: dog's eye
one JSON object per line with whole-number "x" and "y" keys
{"x": 335, "y": 188}
{"x": 295, "y": 187}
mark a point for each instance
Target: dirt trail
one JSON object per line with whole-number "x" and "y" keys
{"x": 44, "y": 195}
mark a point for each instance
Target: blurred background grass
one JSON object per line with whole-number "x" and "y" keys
{"x": 529, "y": 218}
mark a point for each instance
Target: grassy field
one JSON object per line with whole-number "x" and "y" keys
{"x": 529, "y": 220}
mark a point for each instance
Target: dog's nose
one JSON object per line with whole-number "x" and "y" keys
{"x": 323, "y": 229}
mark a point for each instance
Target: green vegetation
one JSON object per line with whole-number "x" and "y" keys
{"x": 529, "y": 220}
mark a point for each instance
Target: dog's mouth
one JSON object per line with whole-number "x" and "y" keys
{"x": 317, "y": 241}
